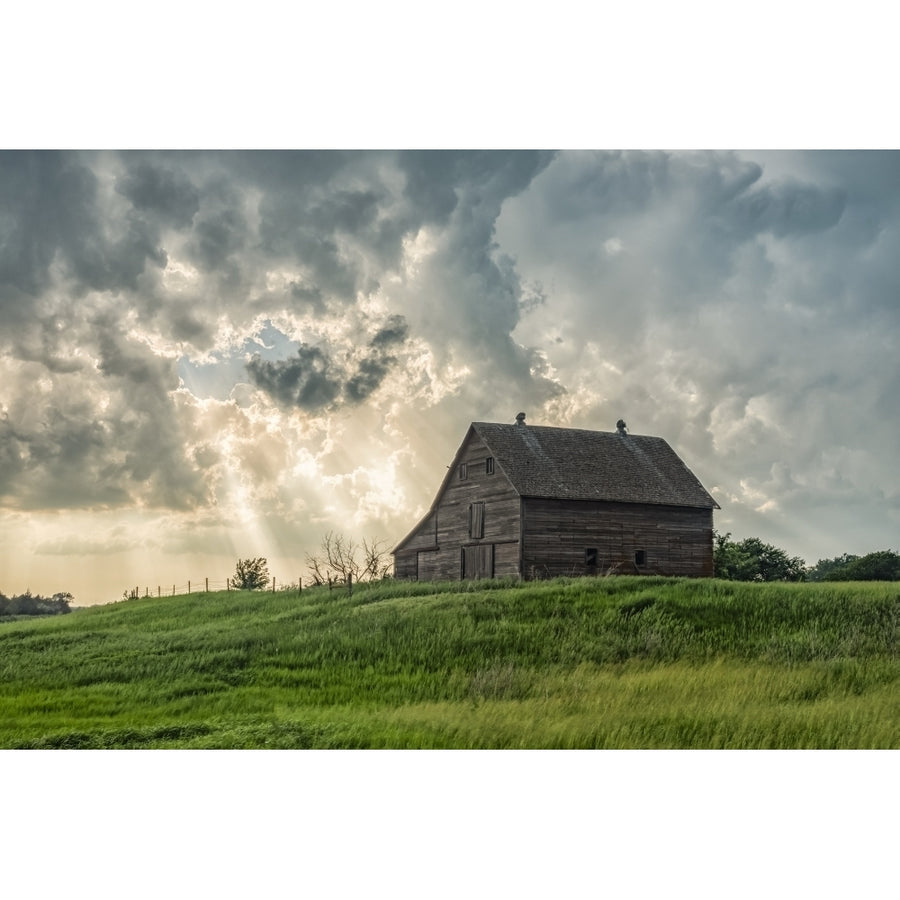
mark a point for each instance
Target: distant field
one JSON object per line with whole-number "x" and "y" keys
{"x": 617, "y": 662}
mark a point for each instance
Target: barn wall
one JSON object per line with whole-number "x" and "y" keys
{"x": 434, "y": 550}
{"x": 406, "y": 564}
{"x": 675, "y": 540}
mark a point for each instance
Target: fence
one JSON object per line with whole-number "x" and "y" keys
{"x": 204, "y": 586}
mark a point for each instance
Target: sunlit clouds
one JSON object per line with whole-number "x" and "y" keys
{"x": 206, "y": 355}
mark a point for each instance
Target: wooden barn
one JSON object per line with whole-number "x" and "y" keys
{"x": 535, "y": 502}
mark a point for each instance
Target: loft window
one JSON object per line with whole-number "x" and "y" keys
{"x": 463, "y": 471}
{"x": 590, "y": 557}
{"x": 476, "y": 520}
{"x": 640, "y": 557}
{"x": 489, "y": 466}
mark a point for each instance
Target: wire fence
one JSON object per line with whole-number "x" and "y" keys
{"x": 207, "y": 585}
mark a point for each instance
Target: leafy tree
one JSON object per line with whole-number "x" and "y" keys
{"x": 251, "y": 574}
{"x": 822, "y": 570}
{"x": 883, "y": 565}
{"x": 753, "y": 560}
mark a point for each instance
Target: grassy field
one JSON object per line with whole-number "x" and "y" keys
{"x": 581, "y": 663}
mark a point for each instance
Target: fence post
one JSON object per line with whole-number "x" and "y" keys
{"x": 227, "y": 584}
{"x": 299, "y": 585}
{"x": 273, "y": 585}
{"x": 189, "y": 585}
{"x": 207, "y": 585}
{"x": 349, "y": 585}
{"x": 159, "y": 590}
{"x": 173, "y": 590}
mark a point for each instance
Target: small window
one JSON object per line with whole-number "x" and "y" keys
{"x": 590, "y": 557}
{"x": 489, "y": 466}
{"x": 476, "y": 520}
{"x": 640, "y": 557}
{"x": 463, "y": 471}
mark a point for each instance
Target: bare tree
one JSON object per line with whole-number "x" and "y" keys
{"x": 341, "y": 560}
{"x": 376, "y": 560}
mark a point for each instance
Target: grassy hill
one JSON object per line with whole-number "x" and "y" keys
{"x": 593, "y": 663}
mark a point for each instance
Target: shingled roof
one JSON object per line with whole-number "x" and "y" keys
{"x": 574, "y": 464}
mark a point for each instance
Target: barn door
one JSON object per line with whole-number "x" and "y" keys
{"x": 478, "y": 561}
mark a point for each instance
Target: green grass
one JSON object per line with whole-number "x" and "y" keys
{"x": 591, "y": 663}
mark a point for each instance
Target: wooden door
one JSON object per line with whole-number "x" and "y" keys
{"x": 478, "y": 561}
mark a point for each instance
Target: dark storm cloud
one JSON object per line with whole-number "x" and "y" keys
{"x": 435, "y": 177}
{"x": 51, "y": 211}
{"x": 394, "y": 332}
{"x": 369, "y": 375}
{"x": 308, "y": 381}
{"x": 295, "y": 225}
{"x": 220, "y": 228}
{"x": 313, "y": 381}
{"x": 790, "y": 209}
{"x": 165, "y": 192}
{"x": 60, "y": 463}
{"x": 42, "y": 198}
{"x": 375, "y": 367}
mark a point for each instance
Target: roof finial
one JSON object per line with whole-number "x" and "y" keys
{"x": 520, "y": 419}
{"x": 620, "y": 425}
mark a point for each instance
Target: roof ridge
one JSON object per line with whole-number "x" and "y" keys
{"x": 581, "y": 464}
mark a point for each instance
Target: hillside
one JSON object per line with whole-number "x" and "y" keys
{"x": 594, "y": 663}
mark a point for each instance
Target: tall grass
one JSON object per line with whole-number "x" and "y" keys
{"x": 607, "y": 662}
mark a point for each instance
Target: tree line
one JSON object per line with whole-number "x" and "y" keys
{"x": 753, "y": 560}
{"x": 29, "y": 604}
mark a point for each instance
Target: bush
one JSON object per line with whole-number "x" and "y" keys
{"x": 251, "y": 574}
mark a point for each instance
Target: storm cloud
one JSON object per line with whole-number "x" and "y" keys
{"x": 204, "y": 336}
{"x": 313, "y": 381}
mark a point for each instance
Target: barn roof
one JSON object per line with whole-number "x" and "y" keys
{"x": 574, "y": 464}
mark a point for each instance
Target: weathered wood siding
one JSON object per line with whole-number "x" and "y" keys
{"x": 406, "y": 564}
{"x": 434, "y": 552}
{"x": 557, "y": 534}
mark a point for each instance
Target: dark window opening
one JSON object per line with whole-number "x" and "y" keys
{"x": 489, "y": 466}
{"x": 463, "y": 471}
{"x": 476, "y": 520}
{"x": 590, "y": 557}
{"x": 640, "y": 557}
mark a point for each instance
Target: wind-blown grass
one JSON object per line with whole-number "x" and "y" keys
{"x": 615, "y": 662}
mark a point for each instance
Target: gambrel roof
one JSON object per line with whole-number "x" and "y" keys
{"x": 574, "y": 464}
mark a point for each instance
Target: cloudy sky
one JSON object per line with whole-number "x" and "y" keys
{"x": 207, "y": 355}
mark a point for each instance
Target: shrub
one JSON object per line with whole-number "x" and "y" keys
{"x": 251, "y": 574}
